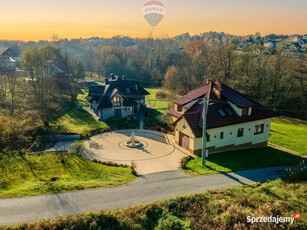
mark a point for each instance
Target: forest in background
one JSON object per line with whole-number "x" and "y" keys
{"x": 275, "y": 79}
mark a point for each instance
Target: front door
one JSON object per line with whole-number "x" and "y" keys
{"x": 184, "y": 141}
{"x": 117, "y": 112}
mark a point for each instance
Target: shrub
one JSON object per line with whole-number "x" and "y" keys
{"x": 298, "y": 173}
{"x": 110, "y": 163}
{"x": 161, "y": 94}
{"x": 184, "y": 161}
{"x": 152, "y": 216}
{"x": 77, "y": 146}
{"x": 170, "y": 222}
{"x": 133, "y": 168}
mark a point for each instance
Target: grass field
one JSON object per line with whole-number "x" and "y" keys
{"x": 240, "y": 160}
{"x": 218, "y": 209}
{"x": 33, "y": 174}
{"x": 72, "y": 120}
{"x": 75, "y": 121}
{"x": 162, "y": 105}
{"x": 289, "y": 133}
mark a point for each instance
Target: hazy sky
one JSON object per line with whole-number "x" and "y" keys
{"x": 40, "y": 19}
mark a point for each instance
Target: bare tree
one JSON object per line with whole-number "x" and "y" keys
{"x": 38, "y": 63}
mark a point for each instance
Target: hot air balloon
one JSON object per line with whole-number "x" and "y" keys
{"x": 153, "y": 12}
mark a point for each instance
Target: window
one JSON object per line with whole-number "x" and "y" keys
{"x": 259, "y": 129}
{"x": 208, "y": 137}
{"x": 179, "y": 108}
{"x": 116, "y": 101}
{"x": 245, "y": 112}
{"x": 222, "y": 113}
{"x": 240, "y": 132}
{"x": 222, "y": 135}
{"x": 229, "y": 112}
{"x": 117, "y": 112}
{"x": 127, "y": 90}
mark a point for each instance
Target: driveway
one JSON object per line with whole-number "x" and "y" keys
{"x": 146, "y": 189}
{"x": 158, "y": 153}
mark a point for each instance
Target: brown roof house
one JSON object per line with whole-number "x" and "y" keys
{"x": 118, "y": 97}
{"x": 233, "y": 120}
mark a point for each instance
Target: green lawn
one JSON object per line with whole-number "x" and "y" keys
{"x": 33, "y": 174}
{"x": 162, "y": 105}
{"x": 217, "y": 209}
{"x": 71, "y": 120}
{"x": 75, "y": 121}
{"x": 290, "y": 133}
{"x": 240, "y": 160}
{"x": 81, "y": 97}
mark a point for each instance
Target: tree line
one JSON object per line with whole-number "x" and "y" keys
{"x": 27, "y": 105}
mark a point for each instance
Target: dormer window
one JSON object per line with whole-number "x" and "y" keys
{"x": 244, "y": 112}
{"x": 179, "y": 108}
{"x": 116, "y": 101}
{"x": 127, "y": 90}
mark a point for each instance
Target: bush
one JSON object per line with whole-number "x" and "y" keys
{"x": 184, "y": 161}
{"x": 170, "y": 222}
{"x": 161, "y": 94}
{"x": 133, "y": 168}
{"x": 110, "y": 163}
{"x": 152, "y": 216}
{"x": 77, "y": 146}
{"x": 13, "y": 134}
{"x": 298, "y": 173}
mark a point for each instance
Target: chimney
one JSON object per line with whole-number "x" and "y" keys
{"x": 124, "y": 77}
{"x": 208, "y": 80}
{"x": 217, "y": 89}
{"x": 106, "y": 80}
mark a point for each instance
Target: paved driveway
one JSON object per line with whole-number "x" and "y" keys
{"x": 146, "y": 189}
{"x": 158, "y": 153}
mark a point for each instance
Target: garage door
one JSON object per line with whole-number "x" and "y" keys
{"x": 184, "y": 141}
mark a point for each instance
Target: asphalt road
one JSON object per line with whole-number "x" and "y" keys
{"x": 146, "y": 189}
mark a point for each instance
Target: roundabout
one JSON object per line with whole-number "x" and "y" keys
{"x": 152, "y": 151}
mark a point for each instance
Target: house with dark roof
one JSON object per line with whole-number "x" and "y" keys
{"x": 233, "y": 119}
{"x": 118, "y": 97}
{"x": 8, "y": 60}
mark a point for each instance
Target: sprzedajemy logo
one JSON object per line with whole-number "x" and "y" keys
{"x": 273, "y": 219}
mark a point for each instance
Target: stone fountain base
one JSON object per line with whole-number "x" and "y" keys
{"x": 136, "y": 144}
{"x": 133, "y": 143}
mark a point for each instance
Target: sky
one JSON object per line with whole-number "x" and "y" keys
{"x": 40, "y": 19}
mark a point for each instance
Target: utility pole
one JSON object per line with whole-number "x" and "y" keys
{"x": 203, "y": 161}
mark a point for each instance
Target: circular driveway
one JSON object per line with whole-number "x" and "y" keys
{"x": 158, "y": 153}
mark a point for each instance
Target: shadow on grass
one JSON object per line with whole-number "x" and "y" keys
{"x": 273, "y": 131}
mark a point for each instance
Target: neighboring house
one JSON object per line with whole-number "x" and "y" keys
{"x": 233, "y": 120}
{"x": 9, "y": 52}
{"x": 57, "y": 67}
{"x": 271, "y": 45}
{"x": 118, "y": 97}
{"x": 8, "y": 60}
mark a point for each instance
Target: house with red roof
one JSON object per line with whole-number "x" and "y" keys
{"x": 233, "y": 120}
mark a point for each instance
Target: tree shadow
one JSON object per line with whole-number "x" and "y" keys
{"x": 30, "y": 166}
{"x": 278, "y": 133}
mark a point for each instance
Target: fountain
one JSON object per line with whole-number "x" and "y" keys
{"x": 133, "y": 142}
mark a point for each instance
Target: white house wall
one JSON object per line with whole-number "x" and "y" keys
{"x": 108, "y": 113}
{"x": 230, "y": 135}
